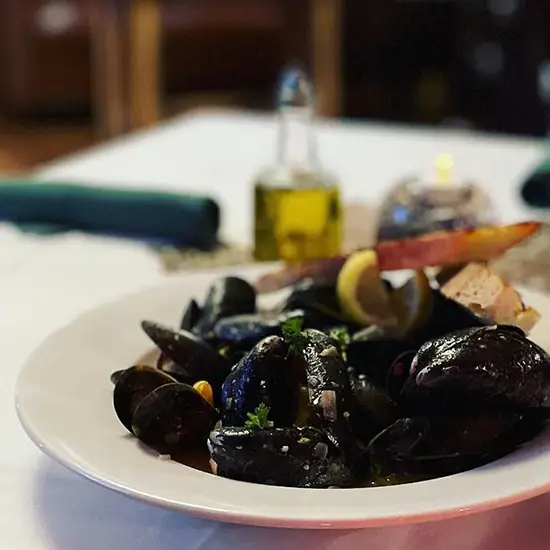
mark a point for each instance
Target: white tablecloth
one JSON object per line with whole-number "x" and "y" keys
{"x": 47, "y": 282}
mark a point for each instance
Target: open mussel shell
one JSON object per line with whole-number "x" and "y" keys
{"x": 132, "y": 386}
{"x": 190, "y": 316}
{"x": 186, "y": 356}
{"x": 226, "y": 297}
{"x": 267, "y": 374}
{"x": 429, "y": 447}
{"x": 290, "y": 457}
{"x": 180, "y": 374}
{"x": 478, "y": 367}
{"x": 172, "y": 417}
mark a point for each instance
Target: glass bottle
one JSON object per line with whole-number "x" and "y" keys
{"x": 422, "y": 205}
{"x": 297, "y": 205}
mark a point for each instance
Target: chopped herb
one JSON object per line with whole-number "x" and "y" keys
{"x": 293, "y": 335}
{"x": 341, "y": 337}
{"x": 224, "y": 351}
{"x": 258, "y": 419}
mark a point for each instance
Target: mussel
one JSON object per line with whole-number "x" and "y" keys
{"x": 226, "y": 297}
{"x": 398, "y": 374}
{"x": 476, "y": 368}
{"x": 132, "y": 386}
{"x": 374, "y": 410}
{"x": 373, "y": 350}
{"x": 445, "y": 316}
{"x": 291, "y": 457}
{"x": 268, "y": 375}
{"x": 330, "y": 395}
{"x": 428, "y": 447}
{"x": 319, "y": 301}
{"x": 242, "y": 332}
{"x": 115, "y": 375}
{"x": 186, "y": 356}
{"x": 173, "y": 416}
{"x": 190, "y": 316}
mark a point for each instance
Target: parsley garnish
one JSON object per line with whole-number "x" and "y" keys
{"x": 293, "y": 335}
{"x": 224, "y": 351}
{"x": 341, "y": 337}
{"x": 258, "y": 419}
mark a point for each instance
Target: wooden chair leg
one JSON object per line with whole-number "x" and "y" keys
{"x": 145, "y": 74}
{"x": 108, "y": 61}
{"x": 326, "y": 45}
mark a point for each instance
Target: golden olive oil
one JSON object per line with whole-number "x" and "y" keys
{"x": 297, "y": 224}
{"x": 297, "y": 205}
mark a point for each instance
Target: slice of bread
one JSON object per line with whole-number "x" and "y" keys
{"x": 476, "y": 287}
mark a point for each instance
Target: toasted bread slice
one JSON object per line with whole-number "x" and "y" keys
{"x": 488, "y": 295}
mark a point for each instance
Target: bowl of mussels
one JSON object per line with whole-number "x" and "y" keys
{"x": 302, "y": 395}
{"x": 359, "y": 391}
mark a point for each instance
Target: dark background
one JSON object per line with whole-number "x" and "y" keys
{"x": 472, "y": 62}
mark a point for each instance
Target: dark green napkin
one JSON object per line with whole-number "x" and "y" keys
{"x": 162, "y": 218}
{"x": 535, "y": 190}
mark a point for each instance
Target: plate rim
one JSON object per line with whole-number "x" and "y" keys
{"x": 356, "y": 520}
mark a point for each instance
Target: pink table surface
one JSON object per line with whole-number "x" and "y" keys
{"x": 94, "y": 518}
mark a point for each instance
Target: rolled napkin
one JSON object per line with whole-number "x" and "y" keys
{"x": 157, "y": 217}
{"x": 535, "y": 190}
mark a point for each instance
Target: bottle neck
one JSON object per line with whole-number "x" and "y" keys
{"x": 297, "y": 147}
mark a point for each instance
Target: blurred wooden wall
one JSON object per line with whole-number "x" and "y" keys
{"x": 402, "y": 61}
{"x": 48, "y": 69}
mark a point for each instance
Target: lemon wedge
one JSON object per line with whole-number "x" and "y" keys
{"x": 363, "y": 295}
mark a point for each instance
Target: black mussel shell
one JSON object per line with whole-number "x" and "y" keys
{"x": 245, "y": 331}
{"x": 173, "y": 416}
{"x": 186, "y": 356}
{"x": 190, "y": 316}
{"x": 430, "y": 447}
{"x": 373, "y": 350}
{"x": 319, "y": 301}
{"x": 446, "y": 273}
{"x": 115, "y": 376}
{"x": 330, "y": 394}
{"x": 446, "y": 315}
{"x": 399, "y": 374}
{"x": 479, "y": 367}
{"x": 227, "y": 296}
{"x": 290, "y": 457}
{"x": 165, "y": 364}
{"x": 375, "y": 410}
{"x": 267, "y": 374}
{"x": 132, "y": 386}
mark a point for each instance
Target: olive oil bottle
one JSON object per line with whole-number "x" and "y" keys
{"x": 297, "y": 205}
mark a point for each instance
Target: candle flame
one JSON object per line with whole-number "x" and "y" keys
{"x": 444, "y": 164}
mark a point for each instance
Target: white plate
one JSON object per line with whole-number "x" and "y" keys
{"x": 64, "y": 403}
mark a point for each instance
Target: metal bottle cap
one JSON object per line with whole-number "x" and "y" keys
{"x": 295, "y": 89}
